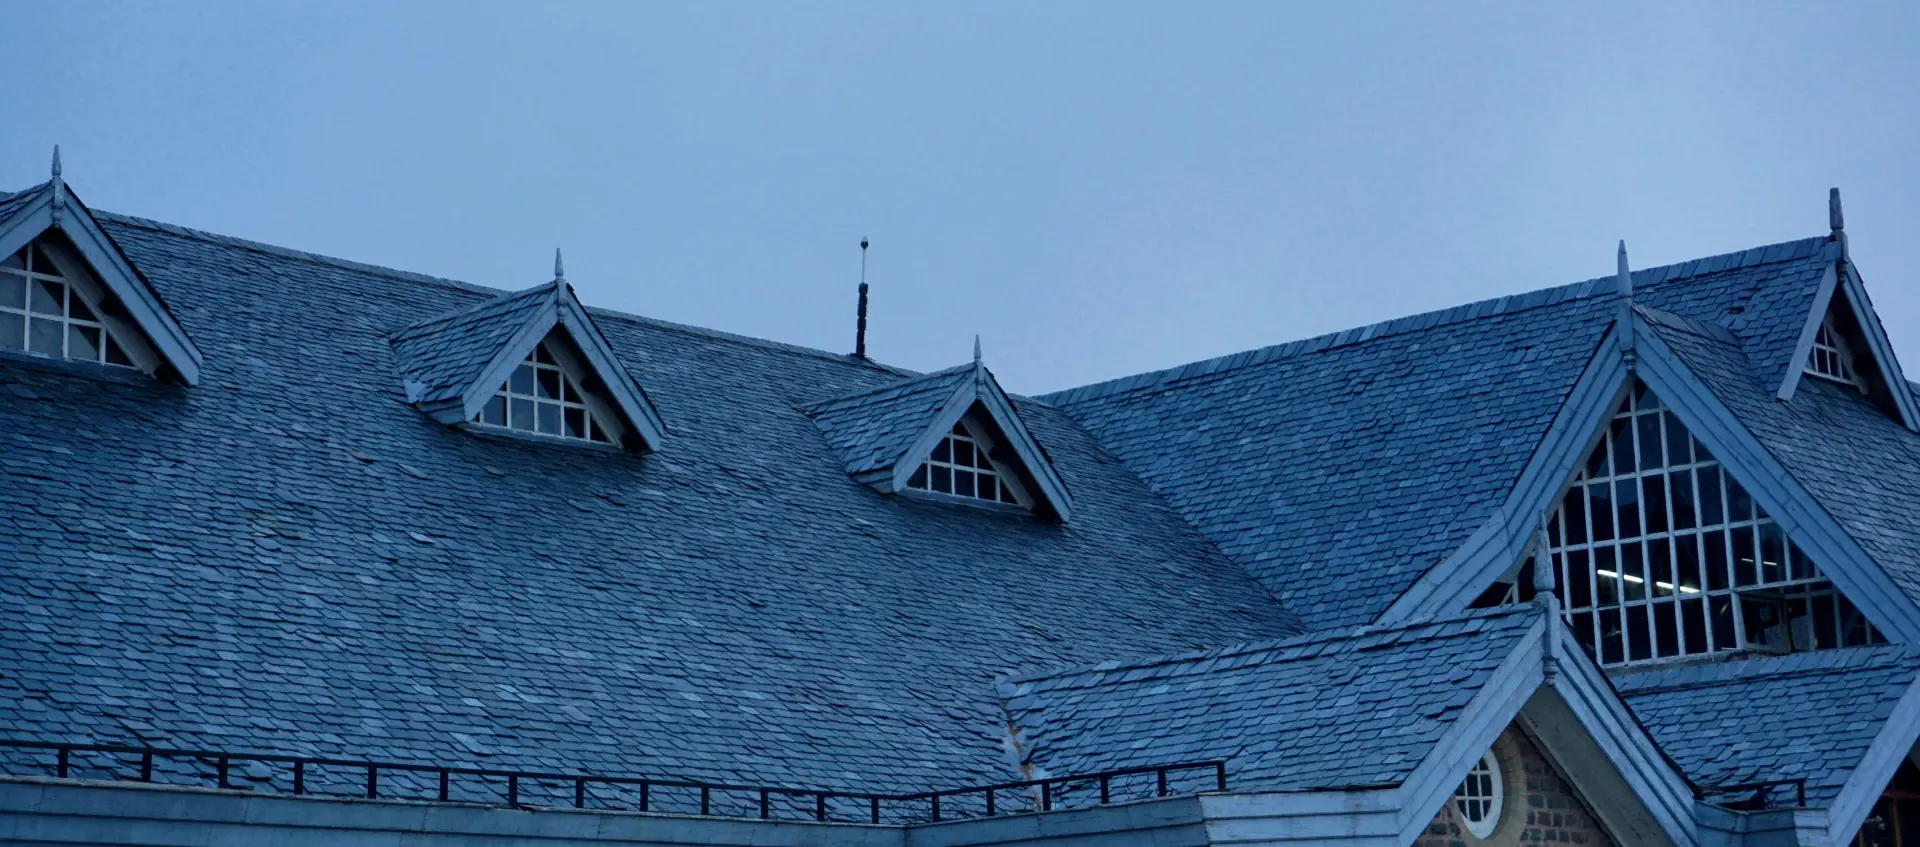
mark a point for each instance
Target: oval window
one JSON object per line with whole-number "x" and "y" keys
{"x": 1478, "y": 798}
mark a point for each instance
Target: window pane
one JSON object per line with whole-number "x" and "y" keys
{"x": 495, "y": 412}
{"x": 1633, "y": 575}
{"x": 1773, "y": 554}
{"x": 942, "y": 479}
{"x": 1745, "y": 570}
{"x": 116, "y": 355}
{"x": 1626, "y": 495}
{"x": 943, "y": 452}
{"x": 13, "y": 331}
{"x": 520, "y": 413}
{"x": 1659, "y": 568}
{"x": 1623, "y": 445}
{"x": 963, "y": 483}
{"x": 542, "y": 355}
{"x": 17, "y": 261}
{"x": 42, "y": 264}
{"x": 1612, "y": 649}
{"x": 13, "y": 291}
{"x": 1573, "y": 511}
{"x": 45, "y": 336}
{"x": 576, "y": 422}
{"x": 1653, "y": 493}
{"x": 549, "y": 417}
{"x": 1710, "y": 512}
{"x": 49, "y": 298}
{"x": 1600, "y": 498}
{"x": 1651, "y": 452}
{"x": 919, "y": 479}
{"x": 1686, "y": 550}
{"x": 1579, "y": 579}
{"x": 1693, "y": 619}
{"x": 1682, "y": 512}
{"x": 1006, "y": 495}
{"x": 78, "y": 310}
{"x": 1606, "y": 575}
{"x": 1739, "y": 505}
{"x": 1714, "y": 546}
{"x": 548, "y": 384}
{"x": 522, "y": 381}
{"x": 1723, "y": 632}
{"x": 963, "y": 453}
{"x": 1677, "y": 441}
{"x": 83, "y": 342}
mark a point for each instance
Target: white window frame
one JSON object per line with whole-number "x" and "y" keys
{"x": 1481, "y": 797}
{"x": 78, "y": 287}
{"x": 598, "y": 416}
{"x": 984, "y": 446}
{"x": 1831, "y": 357}
{"x": 1602, "y": 574}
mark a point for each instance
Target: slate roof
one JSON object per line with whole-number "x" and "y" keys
{"x": 1320, "y": 711}
{"x": 873, "y": 429}
{"x": 446, "y": 354}
{"x": 1859, "y": 463}
{"x": 10, "y": 203}
{"x": 1340, "y": 468}
{"x": 1810, "y": 715}
{"x": 289, "y": 556}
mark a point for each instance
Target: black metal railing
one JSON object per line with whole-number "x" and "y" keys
{"x": 645, "y": 793}
{"x": 1759, "y": 795}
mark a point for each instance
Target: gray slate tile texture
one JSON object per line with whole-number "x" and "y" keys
{"x": 1339, "y": 469}
{"x": 873, "y": 429}
{"x": 1809, "y": 716}
{"x": 1318, "y": 711}
{"x": 446, "y": 353}
{"x": 289, "y": 557}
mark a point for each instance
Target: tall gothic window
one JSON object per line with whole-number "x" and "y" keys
{"x": 1830, "y": 357}
{"x": 542, "y": 397}
{"x": 1660, "y": 553}
{"x": 43, "y": 311}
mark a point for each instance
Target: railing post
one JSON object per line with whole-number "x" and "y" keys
{"x": 643, "y": 796}
{"x": 1161, "y": 776}
{"x": 513, "y": 789}
{"x": 445, "y": 778}
{"x": 936, "y": 808}
{"x": 820, "y": 807}
{"x": 62, "y": 757}
{"x": 1106, "y": 789}
{"x": 146, "y": 766}
{"x": 990, "y": 793}
{"x": 763, "y": 804}
{"x": 876, "y": 808}
{"x": 706, "y": 800}
{"x": 300, "y": 777}
{"x": 1046, "y": 796}
{"x": 579, "y": 792}
{"x": 1220, "y": 775}
{"x": 373, "y": 782}
{"x": 221, "y": 769}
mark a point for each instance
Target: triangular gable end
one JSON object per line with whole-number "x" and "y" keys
{"x": 552, "y": 321}
{"x": 1842, "y": 339}
{"x": 978, "y": 401}
{"x": 129, "y": 309}
{"x": 1774, "y": 499}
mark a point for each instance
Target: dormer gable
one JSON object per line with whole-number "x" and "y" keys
{"x": 1841, "y": 340}
{"x": 952, "y": 434}
{"x": 68, "y": 292}
{"x": 529, "y": 363}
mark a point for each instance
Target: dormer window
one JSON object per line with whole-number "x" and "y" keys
{"x": 962, "y": 465}
{"x": 542, "y": 397}
{"x": 1830, "y": 357}
{"x": 47, "y": 311}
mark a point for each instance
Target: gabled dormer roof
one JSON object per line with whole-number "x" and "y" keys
{"x": 453, "y": 363}
{"x": 1840, "y": 304}
{"x": 884, "y": 435}
{"x": 53, "y": 207}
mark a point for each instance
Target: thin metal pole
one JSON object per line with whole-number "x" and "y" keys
{"x": 221, "y": 768}
{"x": 513, "y": 789}
{"x": 763, "y": 803}
{"x": 580, "y": 792}
{"x": 373, "y": 782}
{"x": 146, "y": 766}
{"x": 63, "y": 755}
{"x": 706, "y": 800}
{"x": 445, "y": 777}
{"x": 300, "y": 777}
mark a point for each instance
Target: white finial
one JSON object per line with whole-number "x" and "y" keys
{"x": 1835, "y": 220}
{"x": 1625, "y": 276}
{"x": 976, "y": 348}
{"x": 56, "y": 162}
{"x": 559, "y": 268}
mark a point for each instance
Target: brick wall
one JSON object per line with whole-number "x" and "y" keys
{"x": 1540, "y": 807}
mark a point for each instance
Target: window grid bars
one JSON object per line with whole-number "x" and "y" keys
{"x": 553, "y": 404}
{"x": 948, "y": 465}
{"x": 28, "y": 279}
{"x": 1730, "y": 514}
{"x": 1830, "y": 357}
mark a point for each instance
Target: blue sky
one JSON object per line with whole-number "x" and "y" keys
{"x": 1097, "y": 189}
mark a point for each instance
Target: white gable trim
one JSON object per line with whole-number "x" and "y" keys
{"x": 1864, "y": 582}
{"x": 982, "y": 390}
{"x": 1492, "y": 550}
{"x": 1879, "y": 347}
{"x": 113, "y": 270}
{"x": 564, "y": 310}
{"x": 1809, "y": 330}
{"x": 1893, "y": 744}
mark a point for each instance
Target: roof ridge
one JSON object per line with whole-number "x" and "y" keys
{"x": 470, "y": 310}
{"x": 832, "y": 403}
{"x": 414, "y": 276}
{"x": 1538, "y": 298}
{"x": 1746, "y": 669}
{"x": 1265, "y": 645}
